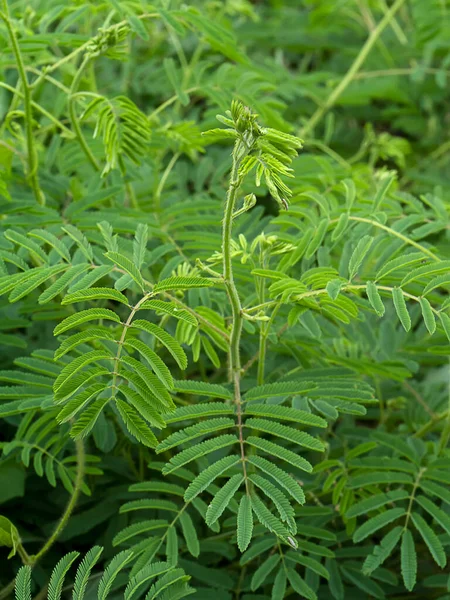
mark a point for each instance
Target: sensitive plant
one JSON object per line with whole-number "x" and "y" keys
{"x": 238, "y": 365}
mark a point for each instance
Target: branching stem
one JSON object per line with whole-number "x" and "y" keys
{"x": 236, "y": 309}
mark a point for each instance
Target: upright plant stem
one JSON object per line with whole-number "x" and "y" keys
{"x": 31, "y": 148}
{"x": 233, "y": 295}
{"x": 357, "y": 64}
{"x": 73, "y": 116}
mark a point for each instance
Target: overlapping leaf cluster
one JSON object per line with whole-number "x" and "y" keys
{"x": 320, "y": 468}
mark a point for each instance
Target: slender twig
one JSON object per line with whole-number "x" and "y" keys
{"x": 73, "y": 116}
{"x": 355, "y": 67}
{"x": 31, "y": 148}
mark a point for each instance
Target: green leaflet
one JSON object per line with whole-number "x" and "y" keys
{"x": 431, "y": 540}
{"x": 425, "y": 271}
{"x": 190, "y": 534}
{"x": 299, "y": 585}
{"x": 445, "y": 322}
{"x": 169, "y": 308}
{"x": 82, "y": 337}
{"x": 166, "y": 339}
{"x": 437, "y": 513}
{"x": 377, "y": 522}
{"x": 285, "y": 413}
{"x": 83, "y": 316}
{"x": 136, "y": 425}
{"x": 37, "y": 278}
{"x": 62, "y": 282}
{"x": 17, "y": 238}
{"x": 195, "y": 411}
{"x": 408, "y": 560}
{"x": 201, "y": 388}
{"x": 143, "y": 406}
{"x": 194, "y": 431}
{"x": 125, "y": 263}
{"x": 139, "y": 528}
{"x": 288, "y": 433}
{"x": 197, "y": 451}
{"x": 56, "y": 582}
{"x": 160, "y": 369}
{"x": 310, "y": 563}
{"x": 222, "y": 499}
{"x": 84, "y": 572}
{"x": 87, "y": 420}
{"x": 282, "y": 504}
{"x": 401, "y": 262}
{"x": 400, "y": 308}
{"x": 359, "y": 254}
{"x": 111, "y": 572}
{"x": 182, "y": 283}
{"x": 79, "y": 363}
{"x": 244, "y": 523}
{"x": 279, "y": 452}
{"x": 264, "y": 570}
{"x": 23, "y": 583}
{"x": 280, "y": 476}
{"x": 73, "y": 406}
{"x": 428, "y": 316}
{"x": 208, "y": 475}
{"x": 279, "y": 586}
{"x": 95, "y": 294}
{"x": 372, "y": 503}
{"x": 375, "y": 298}
{"x": 285, "y": 388}
{"x": 381, "y": 552}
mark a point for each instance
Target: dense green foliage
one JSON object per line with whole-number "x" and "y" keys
{"x": 224, "y": 341}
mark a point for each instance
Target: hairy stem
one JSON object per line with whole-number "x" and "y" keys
{"x": 233, "y": 295}
{"x": 31, "y": 148}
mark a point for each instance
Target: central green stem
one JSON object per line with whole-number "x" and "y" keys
{"x": 236, "y": 309}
